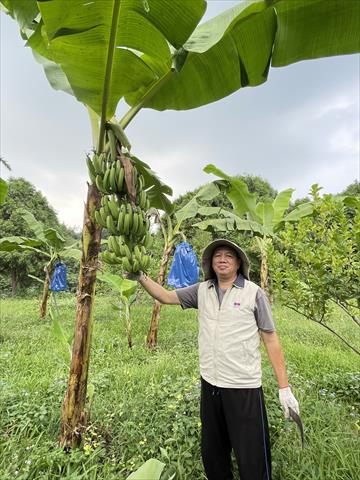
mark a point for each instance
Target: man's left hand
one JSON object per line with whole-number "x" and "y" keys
{"x": 287, "y": 400}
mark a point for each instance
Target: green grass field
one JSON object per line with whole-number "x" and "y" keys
{"x": 146, "y": 404}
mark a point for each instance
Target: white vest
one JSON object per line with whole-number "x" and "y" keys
{"x": 229, "y": 338}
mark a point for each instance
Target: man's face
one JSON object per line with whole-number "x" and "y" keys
{"x": 225, "y": 262}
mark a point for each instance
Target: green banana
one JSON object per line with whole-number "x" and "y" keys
{"x": 145, "y": 262}
{"x": 112, "y": 144}
{"x": 121, "y": 248}
{"x": 106, "y": 180}
{"x": 104, "y": 165}
{"x": 103, "y": 215}
{"x": 136, "y": 223}
{"x": 137, "y": 253}
{"x": 135, "y": 265}
{"x": 116, "y": 247}
{"x": 127, "y": 251}
{"x": 112, "y": 179}
{"x": 120, "y": 179}
{"x": 98, "y": 219}
{"x": 114, "y": 208}
{"x": 99, "y": 184}
{"x": 127, "y": 223}
{"x": 110, "y": 225}
{"x": 97, "y": 164}
{"x": 91, "y": 169}
{"x": 126, "y": 264}
{"x": 121, "y": 219}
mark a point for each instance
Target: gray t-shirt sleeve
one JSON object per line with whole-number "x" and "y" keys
{"x": 263, "y": 313}
{"x": 188, "y": 296}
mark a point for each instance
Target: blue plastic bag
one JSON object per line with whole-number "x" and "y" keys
{"x": 58, "y": 281}
{"x": 184, "y": 270}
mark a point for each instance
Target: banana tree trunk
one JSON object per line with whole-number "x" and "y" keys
{"x": 73, "y": 417}
{"x": 45, "y": 294}
{"x": 151, "y": 340}
{"x": 264, "y": 274}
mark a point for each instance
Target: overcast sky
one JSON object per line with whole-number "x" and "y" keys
{"x": 300, "y": 127}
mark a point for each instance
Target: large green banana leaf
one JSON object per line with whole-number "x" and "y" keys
{"x": 158, "y": 39}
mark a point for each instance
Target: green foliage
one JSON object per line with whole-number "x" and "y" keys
{"x": 316, "y": 262}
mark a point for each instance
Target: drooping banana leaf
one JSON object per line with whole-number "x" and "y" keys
{"x": 34, "y": 225}
{"x": 156, "y": 190}
{"x": 237, "y": 48}
{"x": 190, "y": 210}
{"x": 10, "y": 244}
{"x": 237, "y": 192}
{"x": 54, "y": 239}
{"x": 300, "y": 211}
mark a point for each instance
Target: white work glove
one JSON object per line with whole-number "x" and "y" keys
{"x": 287, "y": 400}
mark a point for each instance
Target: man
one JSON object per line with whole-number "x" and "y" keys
{"x": 233, "y": 314}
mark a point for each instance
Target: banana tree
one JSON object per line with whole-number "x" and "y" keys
{"x": 263, "y": 219}
{"x": 153, "y": 54}
{"x": 47, "y": 242}
{"x": 171, "y": 231}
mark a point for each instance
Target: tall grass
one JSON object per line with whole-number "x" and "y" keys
{"x": 146, "y": 404}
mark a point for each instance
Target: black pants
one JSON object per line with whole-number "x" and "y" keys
{"x": 234, "y": 418}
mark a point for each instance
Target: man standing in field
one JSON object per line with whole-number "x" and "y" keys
{"x": 234, "y": 314}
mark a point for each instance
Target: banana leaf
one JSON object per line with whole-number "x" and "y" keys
{"x": 237, "y": 192}
{"x": 156, "y": 190}
{"x": 190, "y": 210}
{"x": 10, "y": 244}
{"x": 33, "y": 224}
{"x": 54, "y": 239}
{"x": 162, "y": 39}
{"x": 123, "y": 286}
{"x": 151, "y": 469}
{"x": 300, "y": 211}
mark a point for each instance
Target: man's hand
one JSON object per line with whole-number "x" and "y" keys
{"x": 134, "y": 276}
{"x": 287, "y": 400}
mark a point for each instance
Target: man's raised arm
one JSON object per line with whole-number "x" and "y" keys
{"x": 157, "y": 291}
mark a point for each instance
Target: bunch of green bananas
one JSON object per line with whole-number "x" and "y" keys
{"x": 127, "y": 223}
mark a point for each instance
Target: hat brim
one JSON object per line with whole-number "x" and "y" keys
{"x": 206, "y": 259}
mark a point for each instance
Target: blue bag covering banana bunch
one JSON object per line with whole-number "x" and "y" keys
{"x": 124, "y": 204}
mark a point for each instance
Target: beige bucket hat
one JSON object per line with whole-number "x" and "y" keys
{"x": 222, "y": 242}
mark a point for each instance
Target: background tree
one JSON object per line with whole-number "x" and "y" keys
{"x": 15, "y": 266}
{"x": 315, "y": 263}
{"x": 352, "y": 190}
